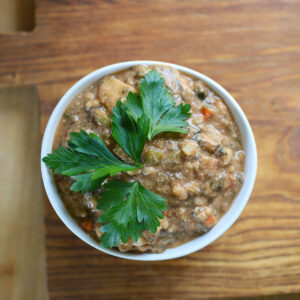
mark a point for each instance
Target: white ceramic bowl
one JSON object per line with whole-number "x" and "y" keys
{"x": 194, "y": 245}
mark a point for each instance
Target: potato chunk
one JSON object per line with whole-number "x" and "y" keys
{"x": 111, "y": 90}
{"x": 203, "y": 212}
{"x": 189, "y": 148}
{"x": 179, "y": 191}
{"x": 141, "y": 70}
{"x": 91, "y": 104}
{"x": 172, "y": 78}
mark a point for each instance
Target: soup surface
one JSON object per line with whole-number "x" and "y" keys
{"x": 199, "y": 173}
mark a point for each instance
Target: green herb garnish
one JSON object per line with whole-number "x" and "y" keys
{"x": 87, "y": 159}
{"x": 158, "y": 105}
{"x": 128, "y": 208}
{"x": 130, "y": 135}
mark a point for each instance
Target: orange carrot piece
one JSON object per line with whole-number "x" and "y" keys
{"x": 87, "y": 225}
{"x": 210, "y": 220}
{"x": 206, "y": 113}
{"x": 231, "y": 183}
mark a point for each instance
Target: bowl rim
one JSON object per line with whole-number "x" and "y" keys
{"x": 196, "y": 244}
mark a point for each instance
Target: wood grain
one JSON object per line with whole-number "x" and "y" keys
{"x": 253, "y": 49}
{"x": 22, "y": 250}
{"x": 16, "y": 15}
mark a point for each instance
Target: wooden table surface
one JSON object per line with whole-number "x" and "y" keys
{"x": 253, "y": 49}
{"x": 22, "y": 243}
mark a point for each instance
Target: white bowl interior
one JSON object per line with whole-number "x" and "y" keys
{"x": 196, "y": 244}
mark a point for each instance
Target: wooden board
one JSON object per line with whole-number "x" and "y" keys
{"x": 16, "y": 15}
{"x": 22, "y": 250}
{"x": 253, "y": 49}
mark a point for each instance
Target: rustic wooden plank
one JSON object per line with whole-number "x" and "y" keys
{"x": 224, "y": 37}
{"x": 22, "y": 250}
{"x": 250, "y": 47}
{"x": 16, "y": 15}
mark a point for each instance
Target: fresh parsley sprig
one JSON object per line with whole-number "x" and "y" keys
{"x": 156, "y": 102}
{"x": 130, "y": 135}
{"x": 145, "y": 116}
{"x": 127, "y": 208}
{"x": 88, "y": 160}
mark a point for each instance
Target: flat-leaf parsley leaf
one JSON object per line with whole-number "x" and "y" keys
{"x": 131, "y": 136}
{"x": 128, "y": 209}
{"x": 87, "y": 159}
{"x": 156, "y": 102}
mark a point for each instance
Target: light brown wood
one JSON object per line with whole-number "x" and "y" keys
{"x": 16, "y": 15}
{"x": 22, "y": 250}
{"x": 253, "y": 49}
